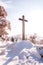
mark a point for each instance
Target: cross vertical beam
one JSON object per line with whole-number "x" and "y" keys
{"x": 23, "y": 26}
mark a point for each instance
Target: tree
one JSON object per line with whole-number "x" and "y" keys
{"x": 4, "y": 24}
{"x": 32, "y": 38}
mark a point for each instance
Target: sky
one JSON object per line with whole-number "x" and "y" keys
{"x": 31, "y": 9}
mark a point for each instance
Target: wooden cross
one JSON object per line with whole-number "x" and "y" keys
{"x": 23, "y": 26}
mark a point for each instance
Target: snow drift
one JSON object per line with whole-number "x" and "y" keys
{"x": 18, "y": 47}
{"x": 22, "y": 53}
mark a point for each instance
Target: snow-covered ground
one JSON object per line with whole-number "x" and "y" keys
{"x": 19, "y": 53}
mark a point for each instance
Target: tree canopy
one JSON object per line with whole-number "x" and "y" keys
{"x": 4, "y": 24}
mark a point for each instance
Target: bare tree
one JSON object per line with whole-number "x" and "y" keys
{"x": 32, "y": 38}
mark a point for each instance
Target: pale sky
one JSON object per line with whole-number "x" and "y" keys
{"x": 31, "y": 9}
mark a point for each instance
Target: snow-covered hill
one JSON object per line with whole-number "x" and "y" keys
{"x": 20, "y": 53}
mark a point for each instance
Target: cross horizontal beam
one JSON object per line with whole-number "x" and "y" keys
{"x": 22, "y": 20}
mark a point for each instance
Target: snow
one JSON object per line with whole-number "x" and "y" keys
{"x": 39, "y": 48}
{"x": 20, "y": 53}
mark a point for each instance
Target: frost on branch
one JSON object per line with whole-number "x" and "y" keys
{"x": 4, "y": 24}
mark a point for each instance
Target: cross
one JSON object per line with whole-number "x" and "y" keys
{"x": 23, "y": 26}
